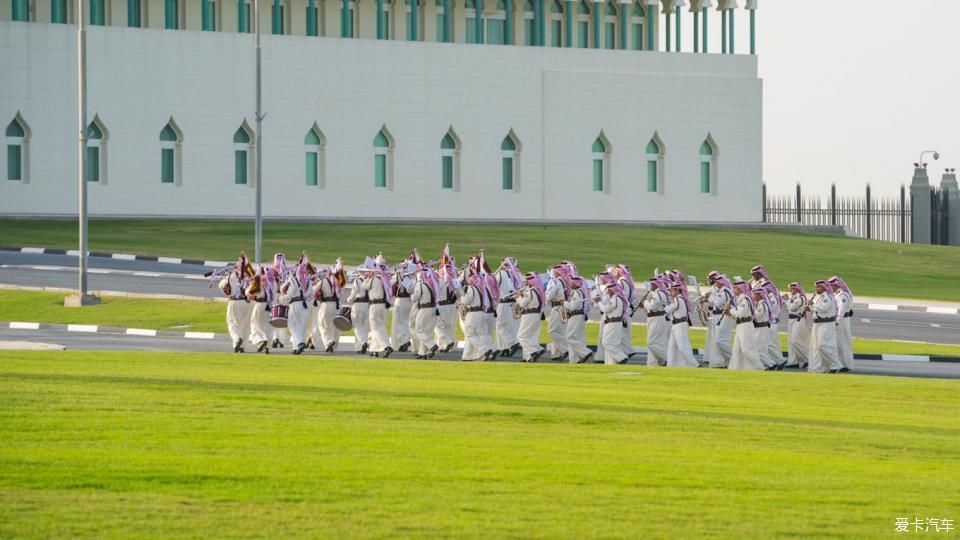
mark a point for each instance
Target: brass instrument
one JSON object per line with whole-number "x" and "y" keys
{"x": 517, "y": 310}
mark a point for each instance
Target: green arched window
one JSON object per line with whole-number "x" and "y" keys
{"x": 509, "y": 162}
{"x": 706, "y": 166}
{"x": 94, "y": 152}
{"x": 610, "y": 26}
{"x": 208, "y": 15}
{"x": 448, "y": 147}
{"x": 313, "y": 143}
{"x": 134, "y": 13}
{"x": 638, "y": 19}
{"x": 528, "y": 20}
{"x": 653, "y": 166}
{"x": 381, "y": 159}
{"x": 58, "y": 11}
{"x": 16, "y": 142}
{"x": 583, "y": 24}
{"x": 241, "y": 155}
{"x": 556, "y": 24}
{"x": 244, "y": 16}
{"x": 444, "y": 30}
{"x": 474, "y": 10}
{"x": 171, "y": 14}
{"x": 168, "y": 152}
{"x": 599, "y": 157}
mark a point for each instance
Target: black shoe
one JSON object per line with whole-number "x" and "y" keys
{"x": 536, "y": 356}
{"x": 310, "y": 344}
{"x": 405, "y": 347}
{"x": 301, "y": 347}
{"x": 514, "y": 348}
{"x": 494, "y": 354}
{"x": 487, "y": 356}
{"x": 238, "y": 346}
{"x": 506, "y": 353}
{"x": 780, "y": 367}
{"x": 834, "y": 371}
{"x": 555, "y": 359}
{"x": 374, "y": 355}
{"x": 844, "y": 370}
{"x": 624, "y": 361}
{"x": 586, "y": 358}
{"x": 364, "y": 348}
{"x": 433, "y": 351}
{"x": 564, "y": 357}
{"x": 387, "y": 352}
{"x": 262, "y": 347}
{"x": 277, "y": 344}
{"x": 330, "y": 347}
{"x": 449, "y": 347}
{"x": 421, "y": 357}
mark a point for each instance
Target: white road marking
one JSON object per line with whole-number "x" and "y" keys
{"x": 123, "y": 257}
{"x": 81, "y": 328}
{"x": 73, "y": 252}
{"x": 199, "y": 335}
{"x": 882, "y": 307}
{"x": 141, "y": 332}
{"x": 24, "y": 326}
{"x": 868, "y": 321}
{"x": 146, "y": 274}
{"x": 36, "y": 251}
{"x": 905, "y": 358}
{"x": 98, "y": 271}
{"x": 942, "y": 310}
{"x": 935, "y": 325}
{"x": 170, "y": 260}
{"x": 216, "y": 263}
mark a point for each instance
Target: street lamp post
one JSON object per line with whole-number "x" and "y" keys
{"x": 936, "y": 156}
{"x": 258, "y": 226}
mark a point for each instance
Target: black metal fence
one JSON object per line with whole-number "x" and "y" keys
{"x": 867, "y": 216}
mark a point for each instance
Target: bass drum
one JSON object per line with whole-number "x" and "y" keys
{"x": 342, "y": 320}
{"x": 278, "y": 316}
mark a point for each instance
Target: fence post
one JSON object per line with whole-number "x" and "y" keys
{"x": 921, "y": 203}
{"x": 799, "y": 204}
{"x": 764, "y": 191}
{"x": 868, "y": 211}
{"x": 903, "y": 214}
{"x": 833, "y": 205}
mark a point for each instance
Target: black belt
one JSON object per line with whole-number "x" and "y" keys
{"x": 577, "y": 312}
{"x": 680, "y": 321}
{"x": 381, "y": 301}
{"x": 831, "y": 319}
{"x": 761, "y": 324}
{"x": 508, "y": 301}
{"x": 556, "y": 304}
{"x": 238, "y": 299}
{"x": 848, "y": 314}
{"x": 329, "y": 299}
{"x": 744, "y": 320}
{"x": 406, "y": 295}
{"x": 447, "y": 302}
{"x": 656, "y": 313}
{"x": 474, "y": 309}
{"x": 717, "y": 311}
{"x": 430, "y": 305}
{"x": 618, "y": 319}
{"x": 795, "y": 317}
{"x": 296, "y": 299}
{"x": 261, "y": 300}
{"x": 530, "y": 311}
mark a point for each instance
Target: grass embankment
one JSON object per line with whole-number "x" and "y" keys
{"x": 29, "y": 306}
{"x": 121, "y": 444}
{"x": 870, "y": 267}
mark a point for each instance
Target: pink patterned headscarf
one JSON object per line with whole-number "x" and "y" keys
{"x": 513, "y": 270}
{"x": 759, "y": 269}
{"x": 492, "y": 289}
{"x": 826, "y": 285}
{"x": 611, "y": 282}
{"x": 683, "y": 296}
{"x": 585, "y": 290}
{"x": 724, "y": 281}
{"x": 477, "y": 280}
{"x": 534, "y": 280}
{"x": 426, "y": 275}
{"x": 743, "y": 289}
{"x": 303, "y": 277}
{"x": 623, "y": 271}
{"x": 837, "y": 281}
{"x": 799, "y": 288}
{"x": 280, "y": 266}
{"x": 762, "y": 291}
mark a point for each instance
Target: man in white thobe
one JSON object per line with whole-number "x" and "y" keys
{"x": 296, "y": 293}
{"x": 746, "y": 352}
{"x": 477, "y": 341}
{"x": 611, "y": 309}
{"x": 238, "y": 309}
{"x": 445, "y": 332}
{"x": 679, "y": 351}
{"x": 360, "y": 315}
{"x": 507, "y": 324}
{"x": 720, "y": 326}
{"x": 379, "y": 343}
{"x": 556, "y": 325}
{"x": 327, "y": 294}
{"x": 844, "y": 301}
{"x": 530, "y": 302}
{"x": 576, "y": 336}
{"x": 658, "y": 325}
{"x": 400, "y": 326}
{"x": 424, "y": 316}
{"x": 260, "y": 329}
{"x": 799, "y": 327}
{"x": 824, "y": 357}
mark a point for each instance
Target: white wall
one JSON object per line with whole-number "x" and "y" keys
{"x": 556, "y": 100}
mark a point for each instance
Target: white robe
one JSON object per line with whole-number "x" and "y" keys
{"x": 238, "y": 309}
{"x": 299, "y": 315}
{"x": 798, "y": 342}
{"x": 328, "y": 310}
{"x": 529, "y": 332}
{"x": 774, "y": 350}
{"x": 556, "y": 328}
{"x": 477, "y": 340}
{"x": 718, "y": 348}
{"x": 507, "y": 324}
{"x": 762, "y": 334}
{"x": 658, "y": 329}
{"x": 576, "y": 335}
{"x": 446, "y": 330}
{"x": 612, "y": 332}
{"x": 424, "y": 317}
{"x": 844, "y": 328}
{"x": 260, "y": 329}
{"x": 360, "y": 315}
{"x": 377, "y": 313}
{"x": 626, "y": 337}
{"x": 400, "y": 325}
{"x": 679, "y": 352}
{"x": 746, "y": 354}
{"x": 824, "y": 356}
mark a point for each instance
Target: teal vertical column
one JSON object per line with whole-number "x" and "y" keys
{"x": 133, "y": 13}
{"x": 723, "y": 39}
{"x": 696, "y": 31}
{"x": 414, "y": 19}
{"x": 344, "y": 18}
{"x": 55, "y": 15}
{"x": 706, "y": 44}
{"x": 650, "y": 30}
{"x": 544, "y": 10}
{"x": 242, "y": 22}
{"x": 678, "y": 28}
{"x": 379, "y": 19}
{"x": 170, "y": 14}
{"x": 479, "y": 20}
{"x": 19, "y": 11}
{"x": 624, "y": 32}
{"x": 446, "y": 21}
{"x": 753, "y": 31}
{"x": 277, "y": 25}
{"x": 312, "y": 18}
{"x": 571, "y": 6}
{"x": 508, "y": 21}
{"x": 669, "y": 37}
{"x": 732, "y": 41}
{"x": 597, "y": 6}
{"x": 536, "y": 22}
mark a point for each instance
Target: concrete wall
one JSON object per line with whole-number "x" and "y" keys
{"x": 556, "y": 101}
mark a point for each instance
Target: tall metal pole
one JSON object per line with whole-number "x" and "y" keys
{"x": 259, "y": 143}
{"x": 82, "y": 126}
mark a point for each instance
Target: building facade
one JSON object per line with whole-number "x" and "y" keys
{"x": 528, "y": 110}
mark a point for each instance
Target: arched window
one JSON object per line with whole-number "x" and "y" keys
{"x": 314, "y": 144}
{"x": 170, "y": 142}
{"x": 96, "y": 151}
{"x": 242, "y": 156}
{"x": 655, "y": 165}
{"x": 348, "y": 20}
{"x": 450, "y": 161}
{"x": 556, "y": 24}
{"x": 383, "y": 159}
{"x": 528, "y": 22}
{"x": 60, "y": 11}
{"x": 610, "y": 26}
{"x": 601, "y": 164}
{"x": 134, "y": 13}
{"x": 497, "y": 24}
{"x": 474, "y": 9}
{"x": 244, "y": 16}
{"x": 21, "y": 10}
{"x": 98, "y": 12}
{"x": 172, "y": 14}
{"x": 18, "y": 154}
{"x": 583, "y": 24}
{"x": 444, "y": 24}
{"x": 638, "y": 19}
{"x": 510, "y": 161}
{"x": 414, "y": 28}
{"x": 708, "y": 166}
{"x": 209, "y": 11}
{"x": 386, "y": 8}
{"x": 278, "y": 16}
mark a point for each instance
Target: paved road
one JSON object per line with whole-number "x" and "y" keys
{"x": 81, "y": 341}
{"x": 164, "y": 278}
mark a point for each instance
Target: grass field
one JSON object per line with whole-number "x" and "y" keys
{"x": 209, "y": 317}
{"x": 209, "y": 446}
{"x": 870, "y": 267}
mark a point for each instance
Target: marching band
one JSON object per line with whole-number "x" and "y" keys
{"x": 501, "y": 312}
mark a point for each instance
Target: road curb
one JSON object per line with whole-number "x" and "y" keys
{"x": 117, "y": 256}
{"x": 120, "y": 294}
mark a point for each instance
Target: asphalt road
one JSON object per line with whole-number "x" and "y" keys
{"x": 82, "y": 341}
{"x": 164, "y": 278}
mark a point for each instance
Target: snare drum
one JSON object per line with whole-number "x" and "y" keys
{"x": 278, "y": 316}
{"x": 343, "y": 321}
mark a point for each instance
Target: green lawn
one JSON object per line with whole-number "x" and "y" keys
{"x": 870, "y": 267}
{"x": 210, "y": 317}
{"x": 210, "y": 446}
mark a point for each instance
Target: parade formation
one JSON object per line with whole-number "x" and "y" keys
{"x": 501, "y": 312}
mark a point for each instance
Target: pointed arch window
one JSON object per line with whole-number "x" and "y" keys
{"x": 450, "y": 161}
{"x": 349, "y": 23}
{"x": 497, "y": 24}
{"x": 601, "y": 164}
{"x": 654, "y": 166}
{"x": 242, "y": 156}
{"x": 170, "y": 139}
{"x": 134, "y": 13}
{"x": 556, "y": 24}
{"x": 244, "y": 17}
{"x": 18, "y": 155}
{"x": 474, "y": 9}
{"x": 209, "y": 11}
{"x": 414, "y": 27}
{"x": 708, "y": 167}
{"x": 638, "y": 19}
{"x": 510, "y": 162}
{"x": 314, "y": 159}
{"x": 444, "y": 28}
{"x": 528, "y": 22}
{"x": 383, "y": 160}
{"x": 583, "y": 24}
{"x": 386, "y": 8}
{"x": 173, "y": 14}
{"x": 313, "y": 18}
{"x": 610, "y": 13}
{"x": 96, "y": 152}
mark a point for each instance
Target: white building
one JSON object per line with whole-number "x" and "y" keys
{"x": 581, "y": 119}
